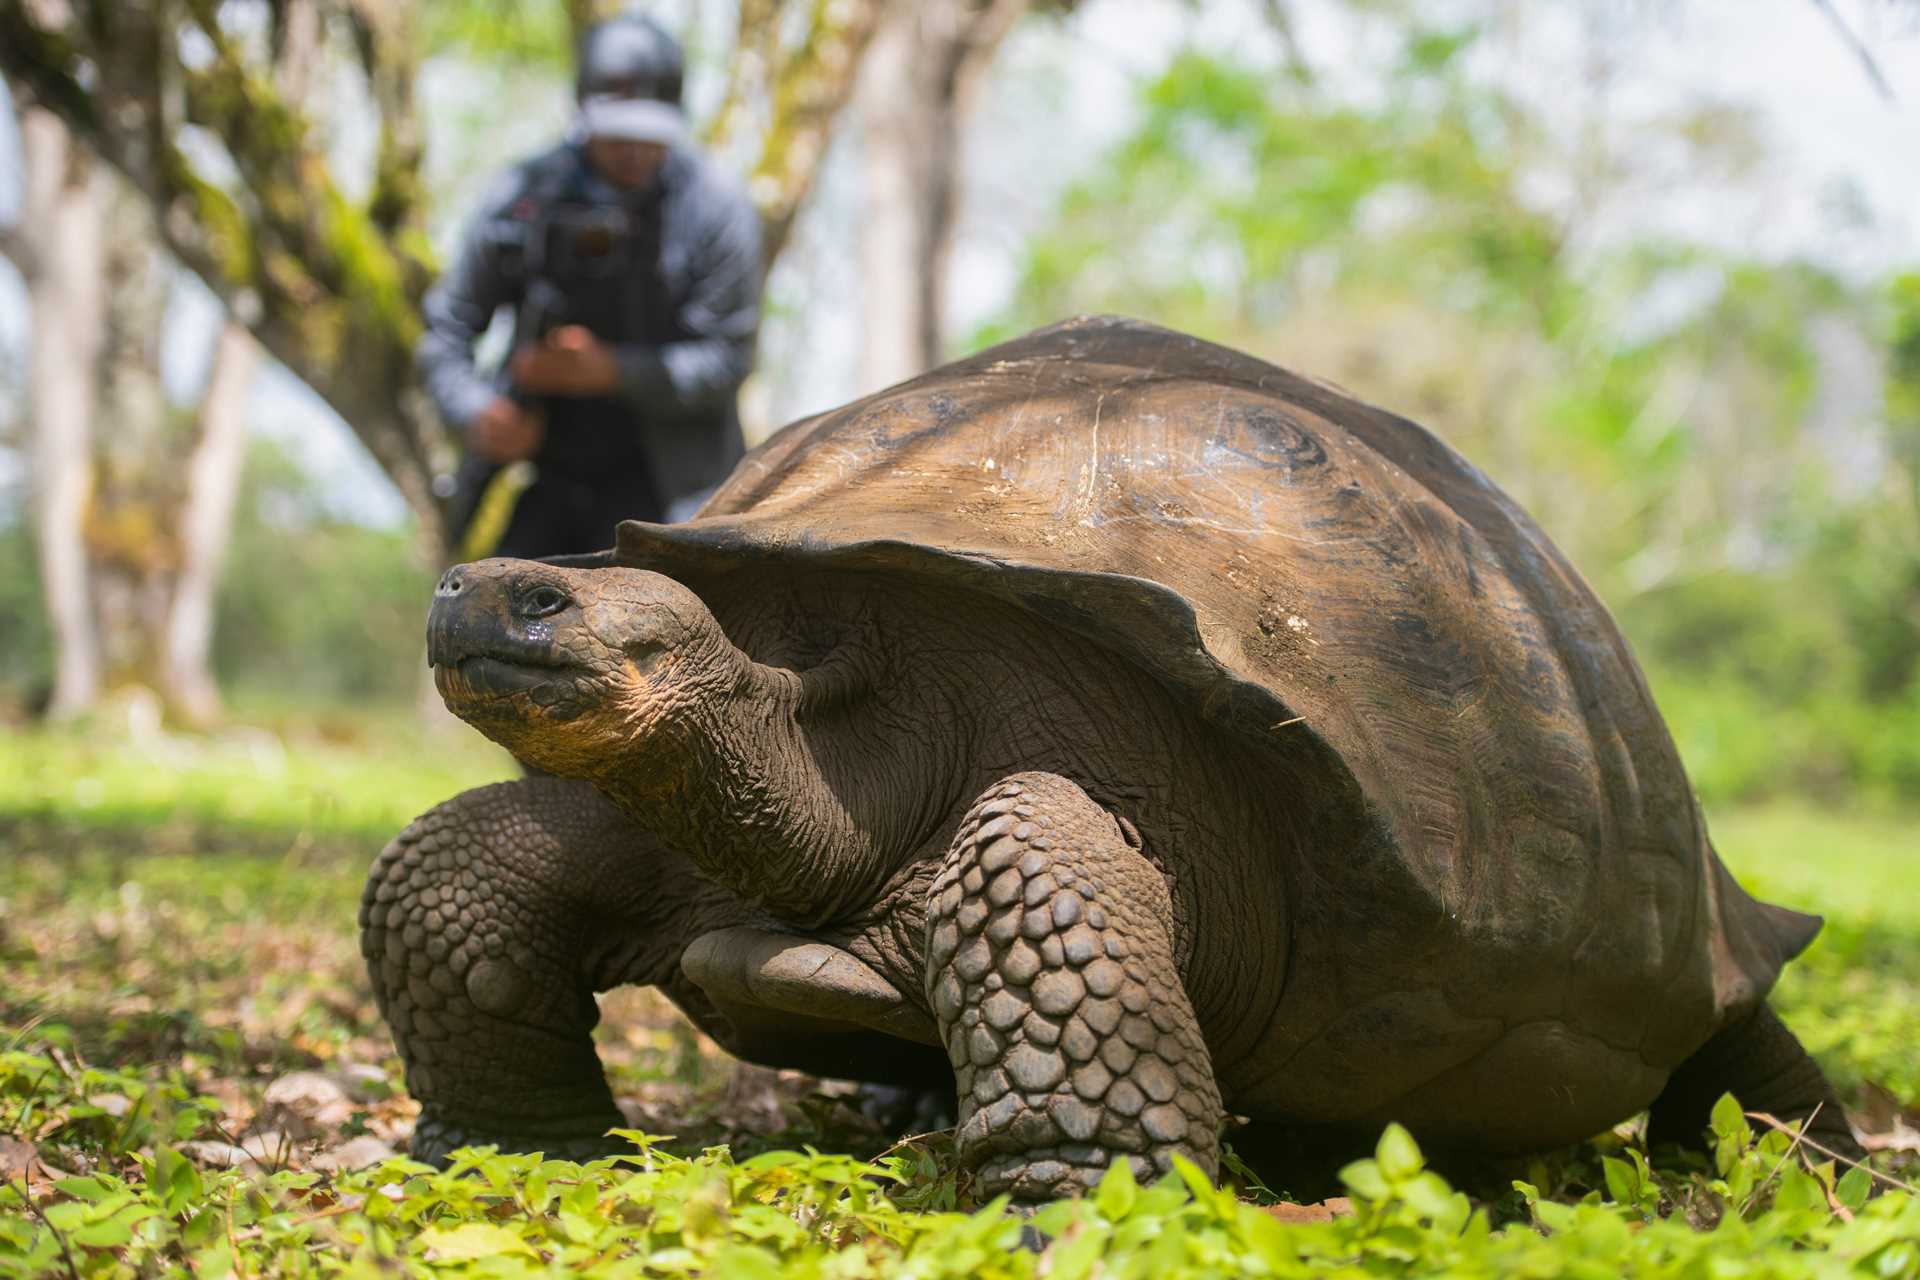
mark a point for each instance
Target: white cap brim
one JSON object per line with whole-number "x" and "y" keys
{"x": 632, "y": 120}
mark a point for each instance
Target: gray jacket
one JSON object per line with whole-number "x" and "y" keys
{"x": 682, "y": 333}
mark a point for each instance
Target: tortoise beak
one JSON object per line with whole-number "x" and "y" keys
{"x": 476, "y": 637}
{"x": 451, "y": 626}
{"x": 469, "y": 616}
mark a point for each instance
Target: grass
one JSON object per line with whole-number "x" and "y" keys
{"x": 1854, "y": 997}
{"x": 193, "y": 1079}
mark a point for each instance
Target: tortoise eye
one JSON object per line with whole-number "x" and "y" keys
{"x": 544, "y": 601}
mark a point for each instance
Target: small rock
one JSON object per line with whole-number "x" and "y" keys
{"x": 1325, "y": 1211}
{"x": 216, "y": 1155}
{"x": 306, "y": 1090}
{"x": 305, "y": 1104}
{"x": 363, "y": 1081}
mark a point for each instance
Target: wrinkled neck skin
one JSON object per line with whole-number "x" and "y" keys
{"x": 751, "y": 783}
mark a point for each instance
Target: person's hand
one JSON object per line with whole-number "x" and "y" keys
{"x": 504, "y": 432}
{"x": 570, "y": 361}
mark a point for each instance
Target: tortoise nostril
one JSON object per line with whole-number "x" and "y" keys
{"x": 450, "y": 583}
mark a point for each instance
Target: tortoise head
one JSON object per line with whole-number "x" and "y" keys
{"x": 573, "y": 670}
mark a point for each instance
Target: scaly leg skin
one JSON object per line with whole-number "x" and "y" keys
{"x": 1758, "y": 1061}
{"x": 487, "y": 926}
{"x": 1050, "y": 968}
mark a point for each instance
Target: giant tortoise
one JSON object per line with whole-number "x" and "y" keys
{"x": 1115, "y": 728}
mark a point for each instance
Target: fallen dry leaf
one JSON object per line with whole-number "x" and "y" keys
{"x": 1900, "y": 1137}
{"x": 17, "y": 1159}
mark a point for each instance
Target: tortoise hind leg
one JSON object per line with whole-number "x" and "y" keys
{"x": 487, "y": 926}
{"x": 1759, "y": 1062}
{"x": 1050, "y": 969}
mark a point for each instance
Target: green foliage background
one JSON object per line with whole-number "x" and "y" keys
{"x": 1389, "y": 234}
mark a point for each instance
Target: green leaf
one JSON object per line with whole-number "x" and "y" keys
{"x": 1364, "y": 1179}
{"x": 1623, "y": 1180}
{"x": 1729, "y": 1121}
{"x": 1800, "y": 1192}
{"x": 745, "y": 1262}
{"x": 1901, "y": 1259}
{"x": 1739, "y": 1182}
{"x": 1398, "y": 1154}
{"x": 1853, "y": 1188}
{"x": 177, "y": 1181}
{"x": 535, "y": 1192}
{"x": 470, "y": 1241}
{"x": 1117, "y": 1191}
{"x": 1198, "y": 1184}
{"x": 1554, "y": 1216}
{"x": 85, "y": 1188}
{"x": 110, "y": 1233}
{"x": 1429, "y": 1196}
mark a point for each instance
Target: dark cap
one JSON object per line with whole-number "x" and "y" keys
{"x": 629, "y": 56}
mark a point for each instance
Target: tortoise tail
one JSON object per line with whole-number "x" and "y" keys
{"x": 1758, "y": 1061}
{"x": 1791, "y": 932}
{"x": 1758, "y": 939}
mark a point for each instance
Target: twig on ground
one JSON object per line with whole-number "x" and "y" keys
{"x": 1799, "y": 1139}
{"x": 1775, "y": 1123}
{"x": 21, "y": 1033}
{"x": 345, "y": 1206}
{"x": 233, "y": 1242}
{"x": 910, "y": 1138}
{"x": 26, "y": 1198}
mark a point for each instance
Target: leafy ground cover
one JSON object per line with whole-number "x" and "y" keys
{"x": 193, "y": 1079}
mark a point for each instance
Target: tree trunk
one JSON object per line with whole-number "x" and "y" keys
{"x": 331, "y": 285}
{"x": 917, "y": 87}
{"x": 203, "y": 526}
{"x": 895, "y": 124}
{"x": 130, "y": 544}
{"x": 60, "y": 256}
{"x": 130, "y": 541}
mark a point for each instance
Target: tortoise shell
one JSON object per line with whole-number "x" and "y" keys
{"x": 1310, "y": 571}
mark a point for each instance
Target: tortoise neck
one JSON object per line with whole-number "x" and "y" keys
{"x": 750, "y": 797}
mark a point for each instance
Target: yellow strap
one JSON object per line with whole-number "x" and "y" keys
{"x": 495, "y": 508}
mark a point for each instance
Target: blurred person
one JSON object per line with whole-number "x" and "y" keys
{"x": 633, "y": 268}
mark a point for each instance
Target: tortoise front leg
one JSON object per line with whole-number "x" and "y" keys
{"x": 487, "y": 926}
{"x": 1050, "y": 969}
